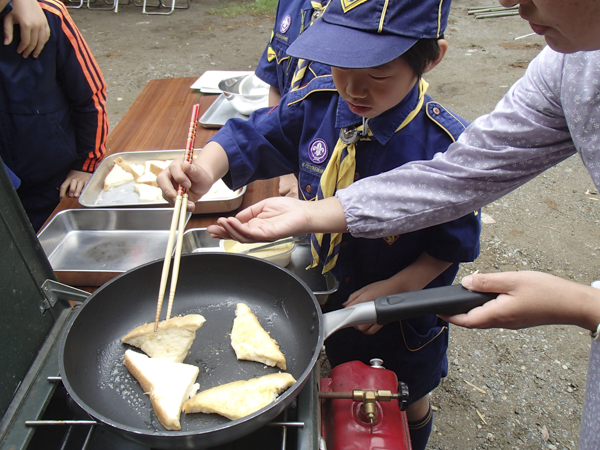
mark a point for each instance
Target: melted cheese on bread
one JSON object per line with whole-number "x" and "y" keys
{"x": 240, "y": 398}
{"x": 171, "y": 341}
{"x": 251, "y": 342}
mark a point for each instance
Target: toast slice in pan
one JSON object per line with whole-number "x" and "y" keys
{"x": 251, "y": 342}
{"x": 240, "y": 398}
{"x": 171, "y": 341}
{"x": 168, "y": 384}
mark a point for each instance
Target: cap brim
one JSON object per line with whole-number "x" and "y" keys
{"x": 340, "y": 46}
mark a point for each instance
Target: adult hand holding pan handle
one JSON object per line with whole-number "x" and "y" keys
{"x": 445, "y": 300}
{"x": 530, "y": 299}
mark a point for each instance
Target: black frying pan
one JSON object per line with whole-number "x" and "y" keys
{"x": 211, "y": 284}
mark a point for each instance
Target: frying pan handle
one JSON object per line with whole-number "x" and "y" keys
{"x": 449, "y": 300}
{"x": 445, "y": 300}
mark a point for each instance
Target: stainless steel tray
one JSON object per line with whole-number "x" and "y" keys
{"x": 88, "y": 247}
{"x": 198, "y": 240}
{"x": 220, "y": 112}
{"x": 94, "y": 196}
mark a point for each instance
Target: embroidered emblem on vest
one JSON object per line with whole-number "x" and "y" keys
{"x": 390, "y": 240}
{"x": 285, "y": 24}
{"x": 347, "y": 5}
{"x": 317, "y": 151}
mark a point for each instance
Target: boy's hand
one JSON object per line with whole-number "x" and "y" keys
{"x": 190, "y": 176}
{"x": 35, "y": 31}
{"x": 367, "y": 294}
{"x": 288, "y": 186}
{"x": 414, "y": 277}
{"x": 74, "y": 183}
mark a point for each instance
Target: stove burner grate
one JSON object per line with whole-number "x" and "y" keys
{"x": 62, "y": 428}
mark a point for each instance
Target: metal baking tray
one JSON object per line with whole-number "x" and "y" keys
{"x": 220, "y": 112}
{"x": 88, "y": 247}
{"x": 94, "y": 195}
{"x": 197, "y": 240}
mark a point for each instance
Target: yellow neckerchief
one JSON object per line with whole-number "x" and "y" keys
{"x": 339, "y": 174}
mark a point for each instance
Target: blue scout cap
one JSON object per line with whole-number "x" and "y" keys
{"x": 368, "y": 33}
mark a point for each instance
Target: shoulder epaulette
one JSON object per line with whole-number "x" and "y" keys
{"x": 323, "y": 83}
{"x": 446, "y": 119}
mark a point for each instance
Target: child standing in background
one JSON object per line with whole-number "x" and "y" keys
{"x": 281, "y": 71}
{"x": 276, "y": 67}
{"x": 33, "y": 27}
{"x": 53, "y": 120}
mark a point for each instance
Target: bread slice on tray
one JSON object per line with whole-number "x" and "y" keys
{"x": 240, "y": 398}
{"x": 157, "y": 166}
{"x": 171, "y": 341}
{"x": 116, "y": 177}
{"x": 136, "y": 170}
{"x": 168, "y": 384}
{"x": 251, "y": 342}
{"x": 148, "y": 193}
{"x": 147, "y": 178}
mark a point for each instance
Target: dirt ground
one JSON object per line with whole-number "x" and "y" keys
{"x": 506, "y": 389}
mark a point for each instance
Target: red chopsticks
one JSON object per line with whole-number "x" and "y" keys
{"x": 177, "y": 225}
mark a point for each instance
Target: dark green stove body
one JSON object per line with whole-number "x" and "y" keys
{"x": 31, "y": 319}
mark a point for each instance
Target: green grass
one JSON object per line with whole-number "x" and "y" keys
{"x": 243, "y": 7}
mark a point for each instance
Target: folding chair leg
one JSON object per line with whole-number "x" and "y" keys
{"x": 113, "y": 6}
{"x": 74, "y": 6}
{"x": 177, "y": 7}
{"x": 160, "y": 5}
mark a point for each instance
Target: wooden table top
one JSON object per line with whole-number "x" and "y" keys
{"x": 159, "y": 119}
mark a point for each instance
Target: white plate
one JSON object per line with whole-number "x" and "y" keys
{"x": 209, "y": 81}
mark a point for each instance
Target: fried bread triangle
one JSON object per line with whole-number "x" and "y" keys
{"x": 251, "y": 342}
{"x": 171, "y": 341}
{"x": 240, "y": 398}
{"x": 168, "y": 384}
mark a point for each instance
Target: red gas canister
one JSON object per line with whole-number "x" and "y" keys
{"x": 356, "y": 409}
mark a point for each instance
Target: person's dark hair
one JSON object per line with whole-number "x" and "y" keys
{"x": 420, "y": 54}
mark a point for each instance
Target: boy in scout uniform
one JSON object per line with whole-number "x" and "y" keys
{"x": 283, "y": 72}
{"x": 276, "y": 67}
{"x": 370, "y": 116}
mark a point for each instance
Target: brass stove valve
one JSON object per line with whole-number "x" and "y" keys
{"x": 368, "y": 398}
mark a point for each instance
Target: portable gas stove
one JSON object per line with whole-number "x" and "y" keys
{"x": 60, "y": 426}
{"x": 37, "y": 412}
{"x": 346, "y": 426}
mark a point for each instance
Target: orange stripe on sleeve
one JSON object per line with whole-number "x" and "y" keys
{"x": 91, "y": 72}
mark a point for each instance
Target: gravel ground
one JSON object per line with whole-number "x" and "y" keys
{"x": 506, "y": 389}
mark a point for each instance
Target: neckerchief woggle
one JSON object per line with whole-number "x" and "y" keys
{"x": 339, "y": 174}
